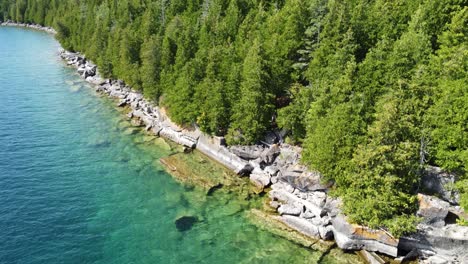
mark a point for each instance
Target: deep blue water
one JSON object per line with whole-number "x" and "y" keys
{"x": 78, "y": 184}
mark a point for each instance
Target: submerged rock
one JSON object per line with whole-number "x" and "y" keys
{"x": 371, "y": 257}
{"x": 213, "y": 188}
{"x": 185, "y": 223}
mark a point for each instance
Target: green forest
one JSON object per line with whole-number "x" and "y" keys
{"x": 373, "y": 90}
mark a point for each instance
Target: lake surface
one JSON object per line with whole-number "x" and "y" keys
{"x": 79, "y": 184}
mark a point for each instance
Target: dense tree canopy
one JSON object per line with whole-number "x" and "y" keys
{"x": 374, "y": 90}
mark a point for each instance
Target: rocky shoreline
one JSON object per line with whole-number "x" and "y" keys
{"x": 32, "y": 26}
{"x": 297, "y": 194}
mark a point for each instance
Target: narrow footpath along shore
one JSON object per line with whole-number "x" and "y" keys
{"x": 298, "y": 196}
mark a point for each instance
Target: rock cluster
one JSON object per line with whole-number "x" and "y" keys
{"x": 297, "y": 194}
{"x": 148, "y": 115}
{"x": 33, "y": 26}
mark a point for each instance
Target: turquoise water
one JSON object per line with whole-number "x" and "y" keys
{"x": 78, "y": 184}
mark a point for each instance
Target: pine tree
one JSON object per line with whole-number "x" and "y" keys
{"x": 384, "y": 170}
{"x": 151, "y": 68}
{"x": 254, "y": 110}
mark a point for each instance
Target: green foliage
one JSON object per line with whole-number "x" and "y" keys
{"x": 463, "y": 188}
{"x": 400, "y": 225}
{"x": 293, "y": 116}
{"x": 384, "y": 169}
{"x": 151, "y": 67}
{"x": 448, "y": 116}
{"x": 334, "y": 127}
{"x": 253, "y": 111}
{"x": 63, "y": 33}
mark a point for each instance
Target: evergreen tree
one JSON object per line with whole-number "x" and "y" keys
{"x": 151, "y": 67}
{"x": 384, "y": 170}
{"x": 253, "y": 111}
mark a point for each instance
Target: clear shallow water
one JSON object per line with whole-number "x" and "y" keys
{"x": 78, "y": 184}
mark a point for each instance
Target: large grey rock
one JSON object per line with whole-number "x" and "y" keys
{"x": 210, "y": 146}
{"x": 436, "y": 260}
{"x": 292, "y": 171}
{"x": 326, "y": 232}
{"x": 317, "y": 198}
{"x": 301, "y": 225}
{"x": 291, "y": 209}
{"x": 354, "y": 237}
{"x": 436, "y": 181}
{"x": 194, "y": 133}
{"x": 326, "y": 220}
{"x": 283, "y": 186}
{"x": 157, "y": 128}
{"x": 96, "y": 80}
{"x": 271, "y": 138}
{"x": 134, "y": 96}
{"x": 278, "y": 185}
{"x": 118, "y": 94}
{"x": 332, "y": 206}
{"x": 178, "y": 137}
{"x": 135, "y": 105}
{"x": 304, "y": 181}
{"x": 260, "y": 178}
{"x": 247, "y": 152}
{"x": 433, "y": 210}
{"x": 272, "y": 170}
{"x": 289, "y": 198}
{"x": 450, "y": 242}
{"x": 81, "y": 70}
{"x": 307, "y": 214}
{"x": 290, "y": 155}
{"x": 269, "y": 155}
{"x": 146, "y": 119}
